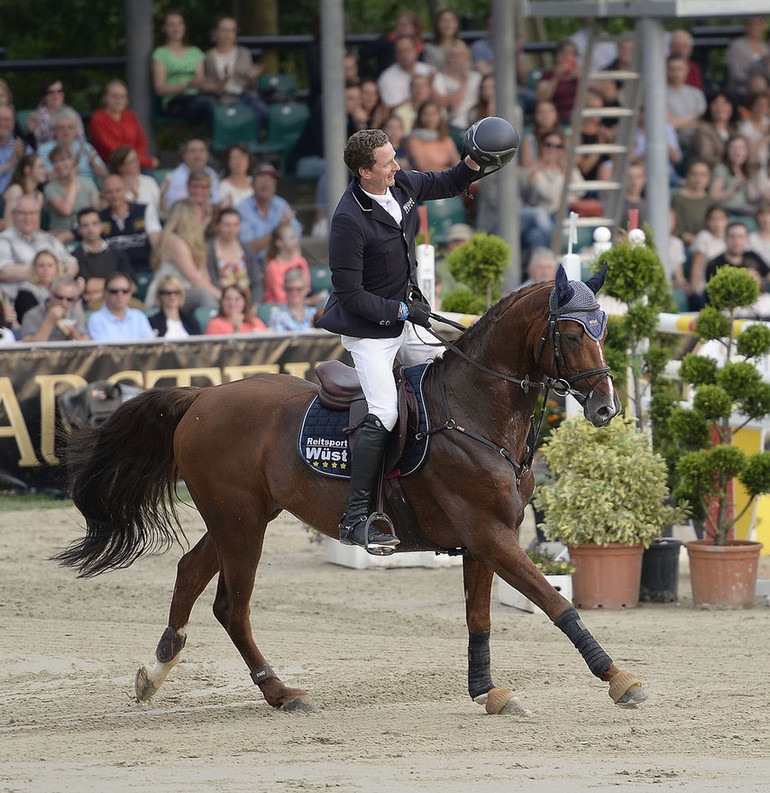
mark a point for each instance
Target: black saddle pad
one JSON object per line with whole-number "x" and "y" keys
{"x": 323, "y": 445}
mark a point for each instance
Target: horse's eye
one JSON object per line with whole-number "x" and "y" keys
{"x": 572, "y": 338}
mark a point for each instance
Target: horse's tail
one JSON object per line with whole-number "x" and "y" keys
{"x": 123, "y": 476}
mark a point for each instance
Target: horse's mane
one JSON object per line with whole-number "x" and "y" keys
{"x": 479, "y": 333}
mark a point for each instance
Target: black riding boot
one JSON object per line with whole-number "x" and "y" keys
{"x": 366, "y": 463}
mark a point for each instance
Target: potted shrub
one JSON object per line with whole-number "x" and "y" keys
{"x": 557, "y": 570}
{"x": 728, "y": 394}
{"x": 479, "y": 264}
{"x": 607, "y": 502}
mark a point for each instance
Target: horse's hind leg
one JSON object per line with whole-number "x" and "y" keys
{"x": 194, "y": 571}
{"x": 231, "y": 608}
{"x": 477, "y": 580}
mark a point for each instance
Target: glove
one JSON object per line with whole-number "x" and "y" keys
{"x": 418, "y": 312}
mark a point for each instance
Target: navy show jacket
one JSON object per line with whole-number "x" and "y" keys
{"x": 372, "y": 258}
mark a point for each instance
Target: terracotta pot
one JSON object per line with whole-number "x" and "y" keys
{"x": 724, "y": 575}
{"x": 606, "y": 577}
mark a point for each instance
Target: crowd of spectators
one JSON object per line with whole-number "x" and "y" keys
{"x": 83, "y": 211}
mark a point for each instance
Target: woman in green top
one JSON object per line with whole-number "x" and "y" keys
{"x": 177, "y": 72}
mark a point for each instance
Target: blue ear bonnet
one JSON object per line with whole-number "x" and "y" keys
{"x": 574, "y": 300}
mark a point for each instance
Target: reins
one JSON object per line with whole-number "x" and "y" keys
{"x": 561, "y": 386}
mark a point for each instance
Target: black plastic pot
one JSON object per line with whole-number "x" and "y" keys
{"x": 660, "y": 572}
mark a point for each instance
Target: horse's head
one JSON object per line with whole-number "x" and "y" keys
{"x": 575, "y": 332}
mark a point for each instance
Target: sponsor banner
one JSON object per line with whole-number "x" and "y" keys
{"x": 32, "y": 376}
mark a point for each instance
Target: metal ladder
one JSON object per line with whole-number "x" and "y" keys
{"x": 622, "y": 149}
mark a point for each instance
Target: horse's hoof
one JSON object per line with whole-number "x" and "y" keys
{"x": 501, "y": 701}
{"x": 302, "y": 704}
{"x": 144, "y": 688}
{"x": 633, "y": 697}
{"x": 626, "y": 690}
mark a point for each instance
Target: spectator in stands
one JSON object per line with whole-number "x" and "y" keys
{"x": 483, "y": 49}
{"x": 231, "y": 74}
{"x": 114, "y": 125}
{"x": 429, "y": 146}
{"x": 181, "y": 252}
{"x": 376, "y": 112}
{"x": 115, "y": 320}
{"x": 45, "y": 268}
{"x": 96, "y": 259}
{"x": 230, "y": 262}
{"x": 394, "y": 83}
{"x": 677, "y": 255}
{"x": 297, "y": 315}
{"x": 237, "y": 183}
{"x": 709, "y": 243}
{"x": 559, "y": 85}
{"x": 420, "y": 90}
{"x": 542, "y": 188}
{"x": 485, "y": 107}
{"x": 623, "y": 62}
{"x": 540, "y": 267}
{"x": 592, "y": 131}
{"x": 171, "y": 322}
{"x": 681, "y": 43}
{"x": 742, "y": 54}
{"x": 545, "y": 120}
{"x": 266, "y": 210}
{"x": 235, "y": 314}
{"x": 692, "y": 201}
{"x": 195, "y": 155}
{"x": 446, "y": 31}
{"x": 199, "y": 192}
{"x": 284, "y": 254}
{"x": 59, "y": 318}
{"x": 10, "y": 328}
{"x": 376, "y": 56}
{"x": 140, "y": 188}
{"x": 133, "y": 228}
{"x": 633, "y": 196}
{"x": 177, "y": 74}
{"x": 22, "y": 240}
{"x": 28, "y": 179}
{"x": 672, "y": 146}
{"x": 715, "y": 129}
{"x": 65, "y": 123}
{"x": 685, "y": 105}
{"x": 737, "y": 253}
{"x": 759, "y": 240}
{"x": 731, "y": 178}
{"x": 394, "y": 129}
{"x": 457, "y": 86}
{"x": 12, "y": 148}
{"x": 604, "y": 50}
{"x": 756, "y": 128}
{"x": 67, "y": 193}
{"x": 356, "y": 113}
{"x": 40, "y": 123}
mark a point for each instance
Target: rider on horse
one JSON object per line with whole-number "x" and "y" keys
{"x": 376, "y": 303}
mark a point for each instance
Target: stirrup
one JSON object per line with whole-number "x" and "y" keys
{"x": 380, "y": 549}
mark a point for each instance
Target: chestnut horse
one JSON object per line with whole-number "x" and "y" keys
{"x": 235, "y": 445}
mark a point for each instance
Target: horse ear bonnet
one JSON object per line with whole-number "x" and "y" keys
{"x": 576, "y": 301}
{"x": 491, "y": 142}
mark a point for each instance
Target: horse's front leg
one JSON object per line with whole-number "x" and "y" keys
{"x": 477, "y": 580}
{"x": 516, "y": 568}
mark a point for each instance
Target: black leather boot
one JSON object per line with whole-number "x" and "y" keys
{"x": 366, "y": 463}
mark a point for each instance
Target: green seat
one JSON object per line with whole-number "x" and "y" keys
{"x": 159, "y": 174}
{"x": 143, "y": 281}
{"x": 320, "y": 278}
{"x": 443, "y": 213}
{"x": 234, "y": 124}
{"x": 285, "y": 125}
{"x": 265, "y": 311}
{"x": 204, "y": 315}
{"x": 21, "y": 118}
{"x": 277, "y": 87}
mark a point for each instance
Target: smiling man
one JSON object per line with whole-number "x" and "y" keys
{"x": 373, "y": 263}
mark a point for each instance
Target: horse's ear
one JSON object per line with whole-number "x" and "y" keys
{"x": 596, "y": 282}
{"x": 564, "y": 291}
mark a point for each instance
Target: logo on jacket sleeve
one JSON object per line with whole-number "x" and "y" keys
{"x": 408, "y": 206}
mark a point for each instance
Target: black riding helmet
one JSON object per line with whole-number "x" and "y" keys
{"x": 491, "y": 142}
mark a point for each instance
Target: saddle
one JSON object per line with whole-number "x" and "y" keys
{"x": 341, "y": 390}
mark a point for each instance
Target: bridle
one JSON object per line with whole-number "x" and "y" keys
{"x": 561, "y": 385}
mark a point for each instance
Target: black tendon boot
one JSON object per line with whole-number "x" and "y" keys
{"x": 366, "y": 462}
